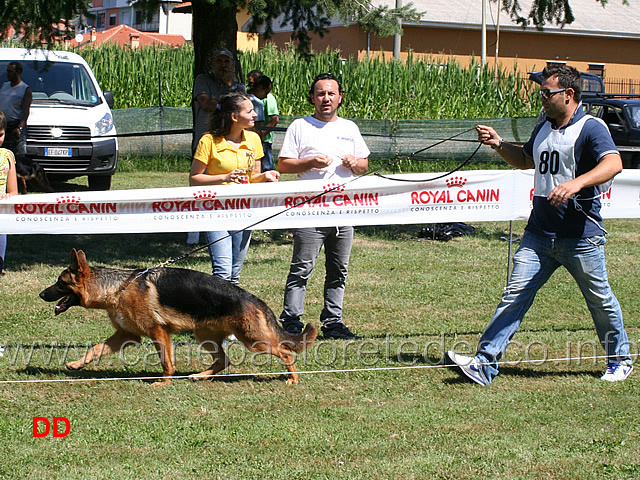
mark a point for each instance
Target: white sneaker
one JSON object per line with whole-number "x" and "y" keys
{"x": 616, "y": 372}
{"x": 470, "y": 366}
{"x": 1, "y": 351}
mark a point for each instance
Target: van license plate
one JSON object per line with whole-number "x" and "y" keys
{"x": 57, "y": 152}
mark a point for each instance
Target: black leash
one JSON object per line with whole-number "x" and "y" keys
{"x": 189, "y": 131}
{"x": 433, "y": 178}
{"x": 375, "y": 171}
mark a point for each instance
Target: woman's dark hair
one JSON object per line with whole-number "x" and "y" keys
{"x": 3, "y": 121}
{"x": 220, "y": 119}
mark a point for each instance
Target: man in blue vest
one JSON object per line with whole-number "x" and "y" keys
{"x": 575, "y": 160}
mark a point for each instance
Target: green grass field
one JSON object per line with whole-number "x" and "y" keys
{"x": 395, "y": 414}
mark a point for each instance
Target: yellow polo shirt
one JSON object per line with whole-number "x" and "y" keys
{"x": 6, "y": 157}
{"x": 221, "y": 157}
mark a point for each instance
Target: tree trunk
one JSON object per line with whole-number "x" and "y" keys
{"x": 214, "y": 26}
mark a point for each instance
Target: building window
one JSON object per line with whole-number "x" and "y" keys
{"x": 597, "y": 69}
{"x": 113, "y": 20}
{"x": 100, "y": 20}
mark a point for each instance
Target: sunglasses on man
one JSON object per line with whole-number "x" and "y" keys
{"x": 546, "y": 93}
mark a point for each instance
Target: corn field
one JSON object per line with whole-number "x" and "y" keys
{"x": 143, "y": 77}
{"x": 375, "y": 88}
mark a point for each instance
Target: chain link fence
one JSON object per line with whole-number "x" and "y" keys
{"x": 159, "y": 131}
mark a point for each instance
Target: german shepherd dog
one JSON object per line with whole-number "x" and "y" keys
{"x": 161, "y": 301}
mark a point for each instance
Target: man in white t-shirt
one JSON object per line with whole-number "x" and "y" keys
{"x": 322, "y": 146}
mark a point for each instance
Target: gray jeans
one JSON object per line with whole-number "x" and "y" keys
{"x": 307, "y": 243}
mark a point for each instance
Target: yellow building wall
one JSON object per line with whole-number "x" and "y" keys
{"x": 526, "y": 51}
{"x": 247, "y": 42}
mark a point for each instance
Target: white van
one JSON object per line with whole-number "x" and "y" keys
{"x": 70, "y": 130}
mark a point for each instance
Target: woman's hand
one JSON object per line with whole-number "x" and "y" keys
{"x": 271, "y": 175}
{"x": 237, "y": 176}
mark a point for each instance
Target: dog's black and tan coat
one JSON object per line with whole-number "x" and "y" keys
{"x": 163, "y": 301}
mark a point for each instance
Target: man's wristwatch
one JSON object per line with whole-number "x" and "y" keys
{"x": 499, "y": 147}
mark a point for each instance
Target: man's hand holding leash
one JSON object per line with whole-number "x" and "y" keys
{"x": 512, "y": 154}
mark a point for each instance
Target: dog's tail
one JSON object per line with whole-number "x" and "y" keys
{"x": 299, "y": 342}
{"x": 296, "y": 343}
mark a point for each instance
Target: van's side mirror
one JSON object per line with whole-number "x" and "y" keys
{"x": 108, "y": 96}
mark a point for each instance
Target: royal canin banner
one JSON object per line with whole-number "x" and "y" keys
{"x": 469, "y": 196}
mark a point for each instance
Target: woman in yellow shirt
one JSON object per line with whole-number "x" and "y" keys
{"x": 8, "y": 183}
{"x": 227, "y": 154}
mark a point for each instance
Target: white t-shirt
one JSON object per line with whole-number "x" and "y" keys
{"x": 308, "y": 136}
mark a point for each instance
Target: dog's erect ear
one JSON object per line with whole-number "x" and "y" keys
{"x": 78, "y": 260}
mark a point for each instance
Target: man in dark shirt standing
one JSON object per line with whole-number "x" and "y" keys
{"x": 208, "y": 88}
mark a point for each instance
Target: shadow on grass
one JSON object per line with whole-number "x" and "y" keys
{"x": 128, "y": 250}
{"x": 522, "y": 373}
{"x": 65, "y": 186}
{"x": 271, "y": 237}
{"x": 390, "y": 232}
{"x": 149, "y": 377}
{"x": 527, "y": 371}
{"x": 413, "y": 232}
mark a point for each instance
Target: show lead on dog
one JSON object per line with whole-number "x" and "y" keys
{"x": 321, "y": 146}
{"x": 574, "y": 159}
{"x": 227, "y": 154}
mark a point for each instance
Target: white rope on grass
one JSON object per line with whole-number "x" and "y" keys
{"x": 536, "y": 362}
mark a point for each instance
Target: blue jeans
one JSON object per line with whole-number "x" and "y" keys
{"x": 307, "y": 243}
{"x": 228, "y": 253}
{"x": 267, "y": 160}
{"x": 533, "y": 264}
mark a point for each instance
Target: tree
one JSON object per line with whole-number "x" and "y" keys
{"x": 215, "y": 26}
{"x": 383, "y": 21}
{"x": 544, "y": 11}
{"x": 314, "y": 16}
{"x": 38, "y": 21}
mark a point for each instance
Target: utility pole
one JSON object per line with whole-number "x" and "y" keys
{"x": 397, "y": 37}
{"x": 495, "y": 67}
{"x": 483, "y": 53}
